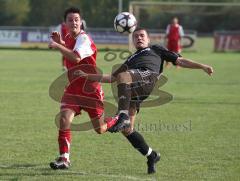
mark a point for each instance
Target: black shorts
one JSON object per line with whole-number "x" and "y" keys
{"x": 142, "y": 86}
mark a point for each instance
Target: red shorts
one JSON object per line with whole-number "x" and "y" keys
{"x": 92, "y": 104}
{"x": 174, "y": 46}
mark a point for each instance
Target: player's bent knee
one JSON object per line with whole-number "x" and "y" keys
{"x": 123, "y": 77}
{"x": 127, "y": 131}
{"x": 99, "y": 130}
{"x": 65, "y": 122}
{"x": 66, "y": 117}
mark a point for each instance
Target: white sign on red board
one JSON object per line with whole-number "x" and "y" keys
{"x": 227, "y": 41}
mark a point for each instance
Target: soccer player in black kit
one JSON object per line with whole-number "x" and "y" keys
{"x": 136, "y": 78}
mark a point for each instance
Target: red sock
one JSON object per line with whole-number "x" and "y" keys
{"x": 111, "y": 121}
{"x": 64, "y": 141}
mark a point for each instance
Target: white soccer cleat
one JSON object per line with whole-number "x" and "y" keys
{"x": 60, "y": 163}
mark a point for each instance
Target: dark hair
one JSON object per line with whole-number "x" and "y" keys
{"x": 140, "y": 28}
{"x": 84, "y": 25}
{"x": 71, "y": 10}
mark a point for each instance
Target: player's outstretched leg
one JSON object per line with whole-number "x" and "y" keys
{"x": 138, "y": 142}
{"x": 124, "y": 96}
{"x": 152, "y": 160}
{"x": 104, "y": 123}
{"x": 122, "y": 123}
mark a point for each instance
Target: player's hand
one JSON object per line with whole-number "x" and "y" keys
{"x": 80, "y": 73}
{"x": 208, "y": 70}
{"x": 52, "y": 44}
{"x": 56, "y": 37}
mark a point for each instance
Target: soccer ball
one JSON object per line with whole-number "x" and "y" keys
{"x": 125, "y": 22}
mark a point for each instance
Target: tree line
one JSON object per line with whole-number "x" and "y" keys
{"x": 100, "y": 14}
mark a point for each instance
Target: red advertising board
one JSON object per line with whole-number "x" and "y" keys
{"x": 225, "y": 41}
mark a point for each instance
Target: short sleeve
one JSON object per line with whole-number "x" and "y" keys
{"x": 181, "y": 32}
{"x": 165, "y": 54}
{"x": 168, "y": 29}
{"x": 83, "y": 46}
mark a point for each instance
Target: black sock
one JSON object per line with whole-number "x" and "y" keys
{"x": 138, "y": 142}
{"x": 124, "y": 96}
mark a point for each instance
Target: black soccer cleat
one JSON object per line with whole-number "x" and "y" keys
{"x": 123, "y": 122}
{"x": 151, "y": 163}
{"x": 60, "y": 163}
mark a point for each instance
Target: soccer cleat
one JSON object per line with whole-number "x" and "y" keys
{"x": 111, "y": 121}
{"x": 122, "y": 123}
{"x": 152, "y": 162}
{"x": 60, "y": 163}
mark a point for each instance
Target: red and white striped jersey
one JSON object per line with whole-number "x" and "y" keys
{"x": 174, "y": 32}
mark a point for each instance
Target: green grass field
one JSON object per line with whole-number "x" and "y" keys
{"x": 197, "y": 133}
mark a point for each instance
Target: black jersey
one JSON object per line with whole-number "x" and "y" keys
{"x": 150, "y": 58}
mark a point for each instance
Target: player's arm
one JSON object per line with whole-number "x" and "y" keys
{"x": 166, "y": 35}
{"x": 69, "y": 54}
{"x": 104, "y": 78}
{"x": 167, "y": 31}
{"x": 186, "y": 63}
{"x": 181, "y": 33}
{"x": 177, "y": 59}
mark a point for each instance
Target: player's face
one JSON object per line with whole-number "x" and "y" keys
{"x": 175, "y": 21}
{"x": 140, "y": 39}
{"x": 73, "y": 22}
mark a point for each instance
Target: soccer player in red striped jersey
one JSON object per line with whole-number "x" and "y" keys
{"x": 80, "y": 94}
{"x": 174, "y": 34}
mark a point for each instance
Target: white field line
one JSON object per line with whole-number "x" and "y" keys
{"x": 122, "y": 177}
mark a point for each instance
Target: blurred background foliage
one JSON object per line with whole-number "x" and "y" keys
{"x": 100, "y": 14}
